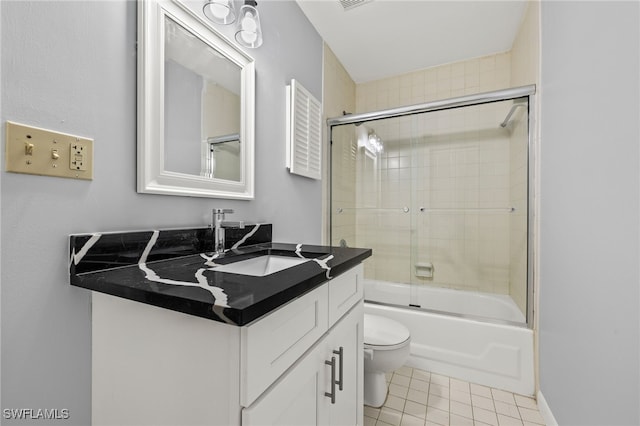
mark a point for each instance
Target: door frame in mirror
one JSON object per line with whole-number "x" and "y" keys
{"x": 152, "y": 176}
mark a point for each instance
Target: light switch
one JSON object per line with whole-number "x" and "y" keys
{"x": 44, "y": 152}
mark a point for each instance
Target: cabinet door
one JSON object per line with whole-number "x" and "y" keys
{"x": 345, "y": 291}
{"x": 345, "y": 342}
{"x": 294, "y": 400}
{"x": 274, "y": 343}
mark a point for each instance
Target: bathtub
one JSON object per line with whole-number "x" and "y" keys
{"x": 465, "y": 345}
{"x": 469, "y": 303}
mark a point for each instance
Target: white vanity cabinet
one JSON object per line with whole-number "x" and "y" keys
{"x": 153, "y": 366}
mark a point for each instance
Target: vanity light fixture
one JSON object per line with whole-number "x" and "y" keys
{"x": 248, "y": 31}
{"x": 219, "y": 11}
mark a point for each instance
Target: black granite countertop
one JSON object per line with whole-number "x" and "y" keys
{"x": 166, "y": 269}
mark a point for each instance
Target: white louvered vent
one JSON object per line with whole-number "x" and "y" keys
{"x": 304, "y": 132}
{"x": 350, "y": 4}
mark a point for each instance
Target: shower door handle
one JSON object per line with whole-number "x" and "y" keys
{"x": 332, "y": 394}
{"x": 340, "y": 354}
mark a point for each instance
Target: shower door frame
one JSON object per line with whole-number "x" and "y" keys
{"x": 458, "y": 102}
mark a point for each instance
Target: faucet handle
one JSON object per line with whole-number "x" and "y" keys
{"x": 223, "y": 211}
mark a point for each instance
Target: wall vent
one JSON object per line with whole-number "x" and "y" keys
{"x": 304, "y": 132}
{"x": 350, "y": 4}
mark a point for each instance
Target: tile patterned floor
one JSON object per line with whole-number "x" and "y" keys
{"x": 420, "y": 398}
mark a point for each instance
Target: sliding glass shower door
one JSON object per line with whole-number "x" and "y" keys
{"x": 442, "y": 199}
{"x": 370, "y": 207}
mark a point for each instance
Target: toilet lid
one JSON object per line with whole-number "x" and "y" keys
{"x": 381, "y": 331}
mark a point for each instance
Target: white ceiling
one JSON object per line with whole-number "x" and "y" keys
{"x": 383, "y": 38}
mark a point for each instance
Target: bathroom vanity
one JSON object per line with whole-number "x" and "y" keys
{"x": 176, "y": 341}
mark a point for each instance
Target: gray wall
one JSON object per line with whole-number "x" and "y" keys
{"x": 71, "y": 67}
{"x": 589, "y": 279}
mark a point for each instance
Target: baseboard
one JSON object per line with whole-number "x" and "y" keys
{"x": 545, "y": 411}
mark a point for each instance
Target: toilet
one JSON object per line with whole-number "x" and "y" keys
{"x": 386, "y": 348}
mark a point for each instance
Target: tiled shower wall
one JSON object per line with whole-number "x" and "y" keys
{"x": 339, "y": 96}
{"x": 445, "y": 81}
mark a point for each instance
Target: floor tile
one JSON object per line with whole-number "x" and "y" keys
{"x": 456, "y": 420}
{"x": 459, "y": 385}
{"x": 436, "y": 416}
{"x": 398, "y": 390}
{"x": 422, "y": 398}
{"x": 460, "y": 396}
{"x": 421, "y": 375}
{"x": 438, "y": 402}
{"x": 439, "y": 379}
{"x": 504, "y": 396}
{"x": 485, "y": 416}
{"x": 394, "y": 402}
{"x": 481, "y": 390}
{"x": 417, "y": 396}
{"x": 482, "y": 402}
{"x": 526, "y": 402}
{"x": 390, "y": 416}
{"x": 415, "y": 409}
{"x": 461, "y": 409}
{"x": 408, "y": 420}
{"x": 420, "y": 385}
{"x": 400, "y": 380}
{"x": 371, "y": 411}
{"x": 507, "y": 409}
{"x": 369, "y": 421}
{"x": 404, "y": 371}
{"x": 438, "y": 390}
{"x": 508, "y": 421}
{"x": 532, "y": 416}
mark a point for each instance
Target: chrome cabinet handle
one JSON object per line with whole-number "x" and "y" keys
{"x": 332, "y": 394}
{"x": 340, "y": 353}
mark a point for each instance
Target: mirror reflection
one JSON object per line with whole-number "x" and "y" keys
{"x": 202, "y": 108}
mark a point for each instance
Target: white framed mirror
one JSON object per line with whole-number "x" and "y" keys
{"x": 195, "y": 106}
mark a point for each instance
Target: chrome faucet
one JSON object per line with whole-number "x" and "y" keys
{"x": 218, "y": 229}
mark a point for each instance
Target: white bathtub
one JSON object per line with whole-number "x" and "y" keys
{"x": 483, "y": 352}
{"x": 462, "y": 302}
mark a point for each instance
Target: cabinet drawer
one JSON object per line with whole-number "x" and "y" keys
{"x": 272, "y": 344}
{"x": 345, "y": 291}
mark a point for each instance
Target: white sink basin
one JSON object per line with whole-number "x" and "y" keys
{"x": 262, "y": 265}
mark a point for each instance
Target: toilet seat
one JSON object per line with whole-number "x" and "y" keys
{"x": 384, "y": 334}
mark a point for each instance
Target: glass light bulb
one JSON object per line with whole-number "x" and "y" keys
{"x": 249, "y": 22}
{"x": 219, "y": 11}
{"x": 249, "y": 26}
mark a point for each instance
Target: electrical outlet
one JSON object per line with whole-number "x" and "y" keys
{"x": 38, "y": 151}
{"x": 78, "y": 156}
